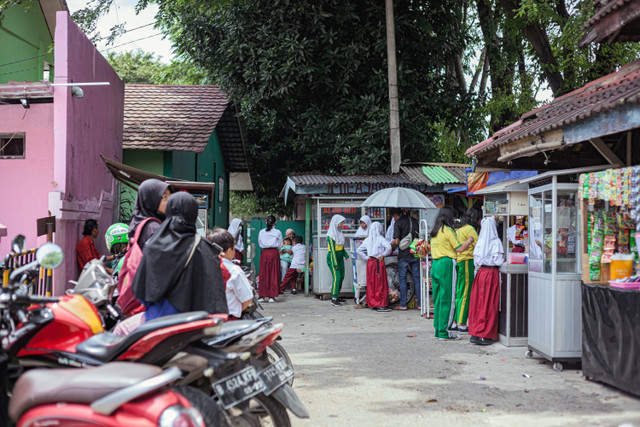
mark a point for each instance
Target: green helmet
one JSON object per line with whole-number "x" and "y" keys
{"x": 116, "y": 233}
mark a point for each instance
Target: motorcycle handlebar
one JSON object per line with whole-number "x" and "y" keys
{"x": 33, "y": 299}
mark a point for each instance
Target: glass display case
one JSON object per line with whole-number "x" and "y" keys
{"x": 507, "y": 202}
{"x": 554, "y": 268}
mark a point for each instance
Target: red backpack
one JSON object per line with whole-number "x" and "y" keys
{"x": 129, "y": 305}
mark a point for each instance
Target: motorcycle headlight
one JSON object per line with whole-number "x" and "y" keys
{"x": 179, "y": 416}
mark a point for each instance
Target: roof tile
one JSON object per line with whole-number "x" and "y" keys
{"x": 606, "y": 93}
{"x": 167, "y": 117}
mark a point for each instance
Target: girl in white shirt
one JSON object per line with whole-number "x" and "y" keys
{"x": 374, "y": 249}
{"x": 270, "y": 240}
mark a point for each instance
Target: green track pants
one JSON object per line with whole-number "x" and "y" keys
{"x": 336, "y": 273}
{"x": 443, "y": 282}
{"x": 463, "y": 290}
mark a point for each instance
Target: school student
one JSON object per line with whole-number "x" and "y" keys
{"x": 465, "y": 267}
{"x": 297, "y": 263}
{"x": 444, "y": 252}
{"x": 237, "y": 288}
{"x": 270, "y": 240}
{"x": 374, "y": 248}
{"x": 335, "y": 258}
{"x": 485, "y": 293}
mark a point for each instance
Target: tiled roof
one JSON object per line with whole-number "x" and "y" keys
{"x": 231, "y": 133}
{"x": 598, "y": 96}
{"x": 436, "y": 173}
{"x": 614, "y": 20}
{"x": 171, "y": 118}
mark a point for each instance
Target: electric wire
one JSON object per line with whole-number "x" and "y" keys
{"x": 51, "y": 53}
{"x": 132, "y": 41}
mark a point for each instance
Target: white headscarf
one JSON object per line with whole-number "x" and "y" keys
{"x": 334, "y": 232}
{"x": 234, "y": 229}
{"x": 489, "y": 249}
{"x": 375, "y": 244}
{"x": 389, "y": 235}
{"x": 364, "y": 231}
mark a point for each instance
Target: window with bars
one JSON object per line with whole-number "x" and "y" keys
{"x": 12, "y": 146}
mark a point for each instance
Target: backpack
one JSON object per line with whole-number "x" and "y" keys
{"x": 129, "y": 305}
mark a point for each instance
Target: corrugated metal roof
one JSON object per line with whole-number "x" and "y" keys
{"x": 324, "y": 179}
{"x": 434, "y": 174}
{"x": 598, "y": 96}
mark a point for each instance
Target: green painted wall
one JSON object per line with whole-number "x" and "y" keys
{"x": 210, "y": 168}
{"x": 148, "y": 160}
{"x": 25, "y": 35}
{"x": 183, "y": 165}
{"x": 207, "y": 166}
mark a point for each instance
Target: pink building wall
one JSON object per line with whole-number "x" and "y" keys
{"x": 84, "y": 128}
{"x": 26, "y": 182}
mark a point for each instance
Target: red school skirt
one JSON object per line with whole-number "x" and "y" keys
{"x": 269, "y": 276}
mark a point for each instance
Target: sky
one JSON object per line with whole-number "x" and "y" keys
{"x": 123, "y": 11}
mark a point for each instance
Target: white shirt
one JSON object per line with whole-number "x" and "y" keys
{"x": 234, "y": 229}
{"x": 238, "y": 288}
{"x": 374, "y": 245}
{"x": 270, "y": 239}
{"x": 297, "y": 261}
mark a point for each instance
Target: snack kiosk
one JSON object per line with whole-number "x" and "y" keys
{"x": 507, "y": 201}
{"x": 554, "y": 320}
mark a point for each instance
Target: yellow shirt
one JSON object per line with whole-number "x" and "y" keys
{"x": 463, "y": 234}
{"x": 444, "y": 244}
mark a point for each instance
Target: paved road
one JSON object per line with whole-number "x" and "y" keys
{"x": 359, "y": 367}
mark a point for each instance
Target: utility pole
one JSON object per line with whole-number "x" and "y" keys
{"x": 394, "y": 108}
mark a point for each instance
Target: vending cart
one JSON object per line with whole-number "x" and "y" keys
{"x": 555, "y": 324}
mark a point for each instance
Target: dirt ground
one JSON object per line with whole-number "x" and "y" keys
{"x": 360, "y": 367}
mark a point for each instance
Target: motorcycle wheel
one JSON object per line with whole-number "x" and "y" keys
{"x": 212, "y": 414}
{"x": 276, "y": 352}
{"x": 262, "y": 411}
{"x": 393, "y": 278}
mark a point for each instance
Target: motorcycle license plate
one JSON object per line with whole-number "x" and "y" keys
{"x": 276, "y": 374}
{"x": 238, "y": 387}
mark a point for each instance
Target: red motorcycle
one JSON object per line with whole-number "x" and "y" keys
{"x": 113, "y": 395}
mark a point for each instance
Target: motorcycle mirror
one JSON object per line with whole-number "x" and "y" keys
{"x": 49, "y": 255}
{"x": 17, "y": 244}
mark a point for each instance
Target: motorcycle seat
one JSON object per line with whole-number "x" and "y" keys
{"x": 107, "y": 346}
{"x": 232, "y": 330}
{"x": 41, "y": 386}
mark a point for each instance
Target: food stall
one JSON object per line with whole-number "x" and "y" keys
{"x": 507, "y": 201}
{"x": 317, "y": 197}
{"x": 554, "y": 318}
{"x": 611, "y": 287}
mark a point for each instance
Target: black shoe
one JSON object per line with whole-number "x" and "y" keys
{"x": 474, "y": 340}
{"x": 485, "y": 341}
{"x": 383, "y": 309}
{"x": 335, "y": 302}
{"x": 342, "y": 300}
{"x": 293, "y": 291}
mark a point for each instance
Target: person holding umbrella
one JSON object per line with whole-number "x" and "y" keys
{"x": 335, "y": 258}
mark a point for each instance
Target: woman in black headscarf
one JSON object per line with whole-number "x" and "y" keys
{"x": 150, "y": 203}
{"x": 179, "y": 272}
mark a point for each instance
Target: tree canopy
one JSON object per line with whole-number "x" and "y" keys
{"x": 311, "y": 77}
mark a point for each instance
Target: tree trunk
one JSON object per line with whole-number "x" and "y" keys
{"x": 538, "y": 38}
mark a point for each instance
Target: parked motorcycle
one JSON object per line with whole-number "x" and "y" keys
{"x": 112, "y": 395}
{"x": 89, "y": 345}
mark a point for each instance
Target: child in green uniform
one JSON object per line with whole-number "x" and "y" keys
{"x": 444, "y": 251}
{"x": 335, "y": 257}
{"x": 465, "y": 268}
